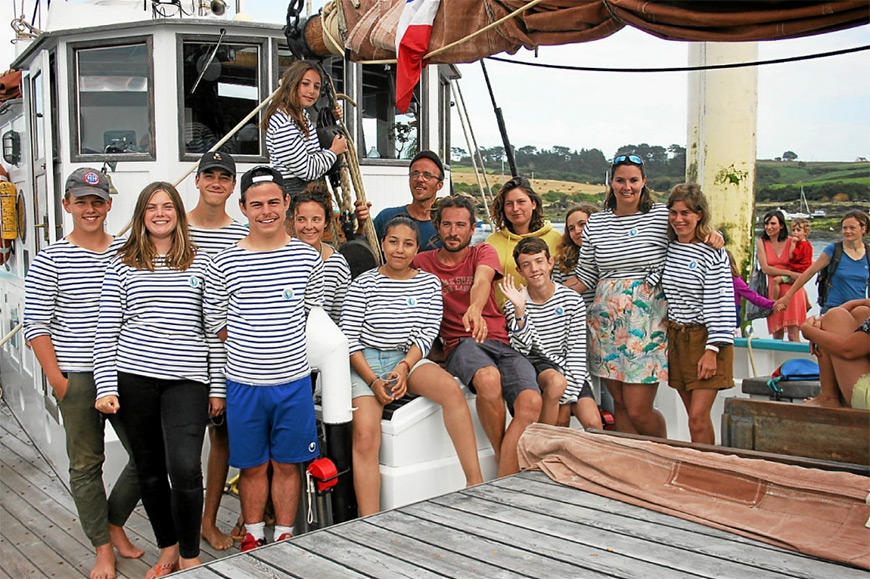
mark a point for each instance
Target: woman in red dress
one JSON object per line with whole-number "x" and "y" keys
{"x": 773, "y": 254}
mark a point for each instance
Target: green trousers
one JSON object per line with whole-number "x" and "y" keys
{"x": 85, "y": 447}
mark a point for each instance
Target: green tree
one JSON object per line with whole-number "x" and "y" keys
{"x": 789, "y": 156}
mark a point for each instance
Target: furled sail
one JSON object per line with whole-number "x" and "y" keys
{"x": 370, "y": 25}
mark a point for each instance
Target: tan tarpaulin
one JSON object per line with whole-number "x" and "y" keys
{"x": 371, "y": 24}
{"x": 811, "y": 511}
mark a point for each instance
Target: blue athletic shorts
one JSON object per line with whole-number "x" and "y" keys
{"x": 274, "y": 422}
{"x": 517, "y": 373}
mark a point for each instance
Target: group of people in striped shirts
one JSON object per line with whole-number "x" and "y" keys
{"x": 194, "y": 313}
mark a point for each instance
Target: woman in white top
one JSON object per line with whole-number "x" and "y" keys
{"x": 158, "y": 369}
{"x": 391, "y": 316}
{"x": 309, "y": 217}
{"x": 291, "y": 138}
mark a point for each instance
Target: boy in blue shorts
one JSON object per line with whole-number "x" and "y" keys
{"x": 258, "y": 299}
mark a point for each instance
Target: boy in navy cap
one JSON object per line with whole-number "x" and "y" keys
{"x": 258, "y": 299}
{"x": 61, "y": 304}
{"x": 213, "y": 229}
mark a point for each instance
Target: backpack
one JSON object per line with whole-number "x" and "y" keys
{"x": 826, "y": 275}
{"x": 791, "y": 370}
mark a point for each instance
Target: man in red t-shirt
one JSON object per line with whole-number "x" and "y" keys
{"x": 475, "y": 333}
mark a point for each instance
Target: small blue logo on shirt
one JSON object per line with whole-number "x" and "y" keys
{"x": 560, "y": 310}
{"x": 312, "y": 446}
{"x": 412, "y": 302}
{"x": 288, "y": 294}
{"x": 693, "y": 265}
{"x": 194, "y": 281}
{"x": 632, "y": 232}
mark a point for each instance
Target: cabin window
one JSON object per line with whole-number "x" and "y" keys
{"x": 387, "y": 133}
{"x": 221, "y": 84}
{"x": 114, "y": 117}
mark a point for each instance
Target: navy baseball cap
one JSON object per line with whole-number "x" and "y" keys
{"x": 261, "y": 174}
{"x": 217, "y": 160}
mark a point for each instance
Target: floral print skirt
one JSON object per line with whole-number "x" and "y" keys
{"x": 629, "y": 336}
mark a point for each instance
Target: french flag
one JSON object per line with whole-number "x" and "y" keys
{"x": 412, "y": 43}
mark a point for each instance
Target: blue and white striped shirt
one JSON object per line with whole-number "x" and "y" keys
{"x": 555, "y": 331}
{"x": 698, "y": 287}
{"x": 336, "y": 280}
{"x": 624, "y": 247}
{"x": 262, "y": 298}
{"x": 212, "y": 241}
{"x": 292, "y": 153}
{"x": 62, "y": 300}
{"x": 151, "y": 324}
{"x": 392, "y": 314}
{"x": 560, "y": 278}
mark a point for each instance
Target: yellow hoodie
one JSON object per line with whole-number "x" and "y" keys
{"x": 504, "y": 242}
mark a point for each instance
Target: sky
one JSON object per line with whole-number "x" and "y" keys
{"x": 819, "y": 109}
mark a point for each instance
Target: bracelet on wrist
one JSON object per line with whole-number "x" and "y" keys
{"x": 712, "y": 348}
{"x": 372, "y": 383}
{"x": 407, "y": 365}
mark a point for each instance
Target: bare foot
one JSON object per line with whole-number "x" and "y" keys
{"x": 824, "y": 402}
{"x": 104, "y": 568}
{"x": 188, "y": 563}
{"x": 217, "y": 539}
{"x": 122, "y": 543}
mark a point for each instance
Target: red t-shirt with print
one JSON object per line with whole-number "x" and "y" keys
{"x": 456, "y": 282}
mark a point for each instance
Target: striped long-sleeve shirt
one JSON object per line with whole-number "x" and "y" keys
{"x": 294, "y": 154}
{"x": 698, "y": 287}
{"x": 336, "y": 280}
{"x": 62, "y": 300}
{"x": 262, "y": 298}
{"x": 624, "y": 246}
{"x": 212, "y": 241}
{"x": 554, "y": 331}
{"x": 151, "y": 324}
{"x": 392, "y": 314}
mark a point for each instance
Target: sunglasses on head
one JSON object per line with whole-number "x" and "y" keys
{"x": 627, "y": 159}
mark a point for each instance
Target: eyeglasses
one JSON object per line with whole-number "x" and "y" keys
{"x": 427, "y": 176}
{"x": 627, "y": 159}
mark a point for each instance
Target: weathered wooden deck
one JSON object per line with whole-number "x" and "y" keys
{"x": 40, "y": 535}
{"x": 520, "y": 526}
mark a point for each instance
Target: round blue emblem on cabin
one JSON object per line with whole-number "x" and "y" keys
{"x": 287, "y": 294}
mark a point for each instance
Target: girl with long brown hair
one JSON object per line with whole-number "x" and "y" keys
{"x": 291, "y": 138}
{"x": 157, "y": 368}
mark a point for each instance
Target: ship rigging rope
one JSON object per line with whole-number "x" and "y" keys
{"x": 686, "y": 68}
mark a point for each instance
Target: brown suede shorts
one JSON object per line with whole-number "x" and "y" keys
{"x": 686, "y": 345}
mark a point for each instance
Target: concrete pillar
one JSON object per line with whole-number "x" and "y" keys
{"x": 721, "y": 144}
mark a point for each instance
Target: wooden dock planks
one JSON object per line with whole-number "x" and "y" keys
{"x": 520, "y": 526}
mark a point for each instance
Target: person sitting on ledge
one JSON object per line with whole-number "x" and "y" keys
{"x": 841, "y": 341}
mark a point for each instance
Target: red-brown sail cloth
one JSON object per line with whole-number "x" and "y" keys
{"x": 371, "y": 24}
{"x": 816, "y": 512}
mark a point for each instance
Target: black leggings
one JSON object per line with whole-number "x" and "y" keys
{"x": 165, "y": 421}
